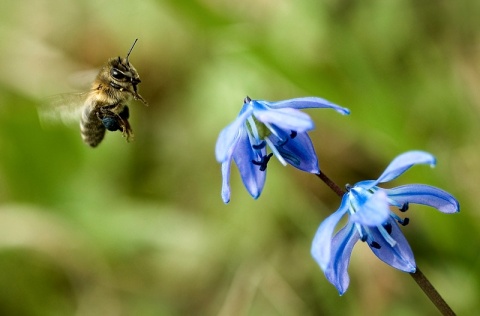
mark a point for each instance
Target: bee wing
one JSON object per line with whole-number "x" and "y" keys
{"x": 64, "y": 108}
{"x": 82, "y": 80}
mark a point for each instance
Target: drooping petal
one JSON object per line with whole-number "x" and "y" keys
{"x": 399, "y": 256}
{"x": 298, "y": 152}
{"x": 307, "y": 102}
{"x": 404, "y": 162}
{"x": 287, "y": 119}
{"x": 252, "y": 177}
{"x": 342, "y": 246}
{"x": 322, "y": 242}
{"x": 229, "y": 135}
{"x": 372, "y": 209}
{"x": 426, "y": 195}
{"x": 226, "y": 181}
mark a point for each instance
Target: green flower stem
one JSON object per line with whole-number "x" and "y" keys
{"x": 418, "y": 276}
{"x": 332, "y": 185}
{"x": 432, "y": 293}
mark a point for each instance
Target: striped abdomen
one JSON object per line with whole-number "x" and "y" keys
{"x": 91, "y": 127}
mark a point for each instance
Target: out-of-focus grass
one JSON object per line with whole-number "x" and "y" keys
{"x": 140, "y": 229}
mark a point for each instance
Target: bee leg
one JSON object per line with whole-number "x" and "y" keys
{"x": 114, "y": 122}
{"x": 127, "y": 129}
{"x": 138, "y": 97}
{"x": 125, "y": 114}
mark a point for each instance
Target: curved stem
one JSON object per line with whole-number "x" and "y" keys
{"x": 332, "y": 185}
{"x": 418, "y": 276}
{"x": 432, "y": 293}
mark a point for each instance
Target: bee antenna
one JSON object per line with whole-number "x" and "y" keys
{"x": 131, "y": 48}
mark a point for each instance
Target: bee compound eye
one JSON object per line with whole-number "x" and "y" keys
{"x": 117, "y": 74}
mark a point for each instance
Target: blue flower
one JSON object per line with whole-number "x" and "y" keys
{"x": 370, "y": 220}
{"x": 281, "y": 126}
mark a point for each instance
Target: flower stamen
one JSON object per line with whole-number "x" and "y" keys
{"x": 259, "y": 146}
{"x": 401, "y": 221}
{"x": 275, "y": 151}
{"x": 404, "y": 207}
{"x": 263, "y": 162}
{"x": 388, "y": 228}
{"x": 253, "y": 127}
{"x": 386, "y": 235}
{"x": 273, "y": 130}
{"x": 361, "y": 232}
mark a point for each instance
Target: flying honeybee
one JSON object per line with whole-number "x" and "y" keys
{"x": 104, "y": 106}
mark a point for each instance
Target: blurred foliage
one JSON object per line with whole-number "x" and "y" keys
{"x": 140, "y": 228}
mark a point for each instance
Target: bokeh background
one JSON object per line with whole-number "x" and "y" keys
{"x": 140, "y": 229}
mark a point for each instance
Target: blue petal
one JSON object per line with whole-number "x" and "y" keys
{"x": 403, "y": 162}
{"x": 252, "y": 177}
{"x": 226, "y": 181}
{"x": 366, "y": 184}
{"x": 372, "y": 210}
{"x": 287, "y": 119}
{"x": 307, "y": 102}
{"x": 399, "y": 256}
{"x": 229, "y": 135}
{"x": 321, "y": 244}
{"x": 342, "y": 246}
{"x": 426, "y": 195}
{"x": 298, "y": 152}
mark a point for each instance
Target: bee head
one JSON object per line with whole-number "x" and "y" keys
{"x": 122, "y": 73}
{"x": 123, "y": 76}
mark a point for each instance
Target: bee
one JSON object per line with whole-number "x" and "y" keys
{"x": 104, "y": 106}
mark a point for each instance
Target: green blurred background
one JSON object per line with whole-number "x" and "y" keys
{"x": 140, "y": 229}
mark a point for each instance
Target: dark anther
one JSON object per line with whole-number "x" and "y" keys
{"x": 404, "y": 207}
{"x": 247, "y": 100}
{"x": 348, "y": 187}
{"x": 363, "y": 238}
{"x": 293, "y": 134}
{"x": 375, "y": 245}
{"x": 405, "y": 221}
{"x": 263, "y": 162}
{"x": 388, "y": 228}
{"x": 260, "y": 146}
